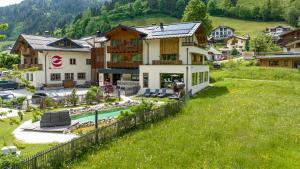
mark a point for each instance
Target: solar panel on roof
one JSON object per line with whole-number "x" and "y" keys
{"x": 177, "y": 27}
{"x": 173, "y": 32}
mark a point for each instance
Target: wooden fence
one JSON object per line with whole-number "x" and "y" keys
{"x": 57, "y": 156}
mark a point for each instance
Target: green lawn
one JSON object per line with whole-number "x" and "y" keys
{"x": 5, "y": 43}
{"x": 233, "y": 124}
{"x": 244, "y": 27}
{"x": 6, "y": 138}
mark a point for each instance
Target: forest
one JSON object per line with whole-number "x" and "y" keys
{"x": 100, "y": 18}
{"x": 37, "y": 16}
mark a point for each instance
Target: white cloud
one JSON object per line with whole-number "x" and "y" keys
{"x": 9, "y": 2}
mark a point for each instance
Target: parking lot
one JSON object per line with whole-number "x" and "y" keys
{"x": 60, "y": 92}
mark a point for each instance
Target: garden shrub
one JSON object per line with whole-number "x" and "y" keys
{"x": 9, "y": 160}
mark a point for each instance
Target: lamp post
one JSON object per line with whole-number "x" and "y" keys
{"x": 96, "y": 119}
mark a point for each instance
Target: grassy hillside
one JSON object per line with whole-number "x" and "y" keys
{"x": 5, "y": 43}
{"x": 252, "y": 3}
{"x": 242, "y": 27}
{"x": 148, "y": 20}
{"x": 233, "y": 124}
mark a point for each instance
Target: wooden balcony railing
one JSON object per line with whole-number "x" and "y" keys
{"x": 197, "y": 63}
{"x": 27, "y": 66}
{"x": 167, "y": 62}
{"x": 193, "y": 44}
{"x": 125, "y": 49}
{"x": 124, "y": 64}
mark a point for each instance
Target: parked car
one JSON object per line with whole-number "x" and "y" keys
{"x": 7, "y": 96}
{"x": 38, "y": 97}
{"x": 5, "y": 85}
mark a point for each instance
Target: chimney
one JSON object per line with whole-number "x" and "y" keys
{"x": 162, "y": 26}
{"x": 98, "y": 34}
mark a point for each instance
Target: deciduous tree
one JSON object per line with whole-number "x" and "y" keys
{"x": 196, "y": 11}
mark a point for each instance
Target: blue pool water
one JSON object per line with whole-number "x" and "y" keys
{"x": 90, "y": 117}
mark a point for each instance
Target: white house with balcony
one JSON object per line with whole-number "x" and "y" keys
{"x": 222, "y": 33}
{"x": 59, "y": 62}
{"x": 156, "y": 56}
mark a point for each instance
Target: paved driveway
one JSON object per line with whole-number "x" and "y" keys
{"x": 60, "y": 92}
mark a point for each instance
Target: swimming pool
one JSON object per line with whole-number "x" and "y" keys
{"x": 90, "y": 117}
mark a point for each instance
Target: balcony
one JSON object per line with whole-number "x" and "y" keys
{"x": 167, "y": 62}
{"x": 193, "y": 44}
{"x": 197, "y": 63}
{"x": 124, "y": 64}
{"x": 27, "y": 66}
{"x": 125, "y": 49}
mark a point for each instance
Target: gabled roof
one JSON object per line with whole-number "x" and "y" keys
{"x": 175, "y": 30}
{"x": 238, "y": 37}
{"x": 44, "y": 43}
{"x": 214, "y": 51}
{"x": 288, "y": 32}
{"x": 284, "y": 55}
{"x": 124, "y": 27}
{"x": 222, "y": 26}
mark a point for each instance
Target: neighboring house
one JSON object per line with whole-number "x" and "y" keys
{"x": 290, "y": 58}
{"x": 156, "y": 56}
{"x": 222, "y": 33}
{"x": 215, "y": 54}
{"x": 276, "y": 31}
{"x": 237, "y": 42}
{"x": 59, "y": 62}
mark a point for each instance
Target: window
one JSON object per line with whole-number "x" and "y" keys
{"x": 168, "y": 57}
{"x": 115, "y": 43}
{"x": 135, "y": 77}
{"x": 145, "y": 80}
{"x": 217, "y": 33}
{"x": 206, "y": 76}
{"x": 167, "y": 79}
{"x": 200, "y": 77}
{"x": 189, "y": 39}
{"x": 55, "y": 77}
{"x": 72, "y": 61}
{"x": 136, "y": 42}
{"x": 194, "y": 79}
{"x": 25, "y": 61}
{"x": 137, "y": 57}
{"x": 88, "y": 61}
{"x": 31, "y": 77}
{"x": 273, "y": 63}
{"x": 81, "y": 76}
{"x": 27, "y": 76}
{"x": 116, "y": 58}
{"x": 69, "y": 76}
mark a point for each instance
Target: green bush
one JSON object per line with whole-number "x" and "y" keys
{"x": 143, "y": 107}
{"x": 73, "y": 98}
{"x": 9, "y": 160}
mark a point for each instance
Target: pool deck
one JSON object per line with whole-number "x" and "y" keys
{"x": 58, "y": 129}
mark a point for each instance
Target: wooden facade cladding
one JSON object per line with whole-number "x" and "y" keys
{"x": 167, "y": 62}
{"x": 28, "y": 66}
{"x": 169, "y": 46}
{"x": 201, "y": 37}
{"x": 281, "y": 62}
{"x": 97, "y": 56}
{"x": 290, "y": 37}
{"x": 125, "y": 49}
{"x": 125, "y": 64}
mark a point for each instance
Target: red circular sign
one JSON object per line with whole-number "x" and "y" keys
{"x": 56, "y": 61}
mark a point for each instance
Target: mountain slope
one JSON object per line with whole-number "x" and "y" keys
{"x": 32, "y": 16}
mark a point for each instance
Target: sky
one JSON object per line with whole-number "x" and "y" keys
{"x": 9, "y": 2}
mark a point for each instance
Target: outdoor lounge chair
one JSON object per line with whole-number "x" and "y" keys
{"x": 163, "y": 93}
{"x": 175, "y": 96}
{"x": 147, "y": 93}
{"x": 156, "y": 93}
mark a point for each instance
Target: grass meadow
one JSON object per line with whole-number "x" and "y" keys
{"x": 233, "y": 124}
{"x": 7, "y": 138}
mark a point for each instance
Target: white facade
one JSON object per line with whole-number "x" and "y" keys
{"x": 236, "y": 42}
{"x": 151, "y": 52}
{"x": 222, "y": 32}
{"x": 154, "y": 76}
{"x": 43, "y": 77}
